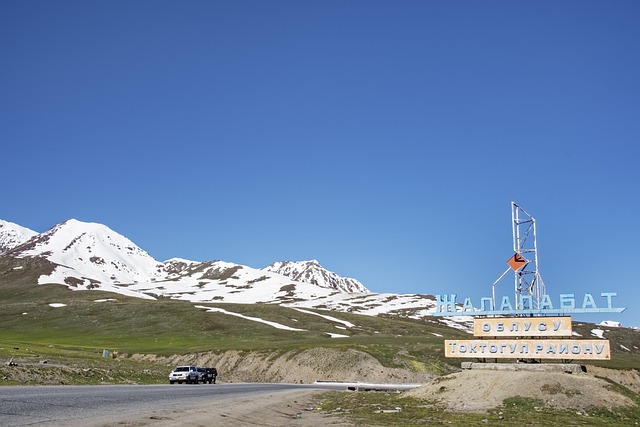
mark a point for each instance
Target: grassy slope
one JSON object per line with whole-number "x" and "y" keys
{"x": 84, "y": 327}
{"x": 165, "y": 327}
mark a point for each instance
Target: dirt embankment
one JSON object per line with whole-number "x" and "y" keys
{"x": 304, "y": 367}
{"x": 480, "y": 390}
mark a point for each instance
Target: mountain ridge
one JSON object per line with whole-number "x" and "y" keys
{"x": 91, "y": 256}
{"x": 94, "y": 252}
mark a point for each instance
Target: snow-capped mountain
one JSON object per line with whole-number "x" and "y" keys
{"x": 312, "y": 272}
{"x": 93, "y": 251}
{"x": 12, "y": 235}
{"x": 90, "y": 256}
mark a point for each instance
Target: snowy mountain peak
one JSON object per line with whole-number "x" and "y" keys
{"x": 88, "y": 255}
{"x": 12, "y": 235}
{"x": 312, "y": 272}
{"x": 99, "y": 253}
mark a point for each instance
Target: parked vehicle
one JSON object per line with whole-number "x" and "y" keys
{"x": 187, "y": 374}
{"x": 202, "y": 375}
{"x": 210, "y": 375}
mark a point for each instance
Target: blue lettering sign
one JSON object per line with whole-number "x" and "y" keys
{"x": 529, "y": 302}
{"x": 546, "y": 303}
{"x": 446, "y": 306}
{"x": 588, "y": 301}
{"x": 567, "y": 301}
{"x": 446, "y": 302}
{"x": 506, "y": 304}
{"x": 608, "y": 296}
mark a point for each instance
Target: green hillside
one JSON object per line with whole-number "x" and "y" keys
{"x": 32, "y": 330}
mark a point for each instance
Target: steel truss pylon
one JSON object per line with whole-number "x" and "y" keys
{"x": 524, "y": 263}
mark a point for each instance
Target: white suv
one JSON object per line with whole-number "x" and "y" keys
{"x": 188, "y": 374}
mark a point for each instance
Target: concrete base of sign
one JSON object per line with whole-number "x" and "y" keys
{"x": 570, "y": 368}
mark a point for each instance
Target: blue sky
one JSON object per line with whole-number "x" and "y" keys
{"x": 384, "y": 138}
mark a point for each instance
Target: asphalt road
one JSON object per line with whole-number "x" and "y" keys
{"x": 84, "y": 405}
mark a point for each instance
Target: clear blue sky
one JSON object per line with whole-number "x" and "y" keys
{"x": 384, "y": 138}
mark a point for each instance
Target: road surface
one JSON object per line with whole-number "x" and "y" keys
{"x": 116, "y": 405}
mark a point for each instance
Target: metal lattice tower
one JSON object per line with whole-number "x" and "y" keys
{"x": 527, "y": 279}
{"x": 524, "y": 263}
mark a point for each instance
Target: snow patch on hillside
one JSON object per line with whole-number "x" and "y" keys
{"x": 610, "y": 324}
{"x": 330, "y": 318}
{"x": 332, "y": 335}
{"x": 253, "y": 319}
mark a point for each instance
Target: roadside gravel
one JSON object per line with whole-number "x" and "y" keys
{"x": 279, "y": 409}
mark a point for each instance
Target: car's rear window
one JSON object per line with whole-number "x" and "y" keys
{"x": 181, "y": 368}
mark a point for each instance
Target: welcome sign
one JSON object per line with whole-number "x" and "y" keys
{"x": 522, "y": 327}
{"x": 526, "y": 336}
{"x": 533, "y": 325}
{"x": 529, "y": 349}
{"x": 526, "y": 327}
